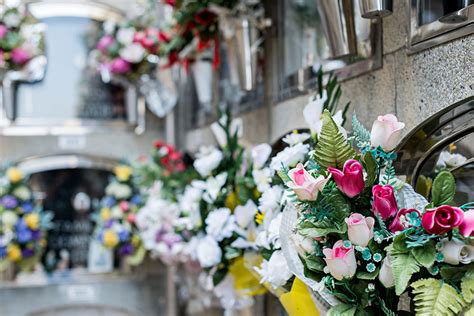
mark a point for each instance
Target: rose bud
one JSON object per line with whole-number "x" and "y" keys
{"x": 467, "y": 226}
{"x": 351, "y": 179}
{"x": 442, "y": 219}
{"x": 400, "y": 222}
{"x": 384, "y": 202}
{"x": 386, "y": 273}
{"x": 455, "y": 251}
{"x": 360, "y": 229}
{"x": 386, "y": 132}
{"x": 340, "y": 261}
{"x": 304, "y": 184}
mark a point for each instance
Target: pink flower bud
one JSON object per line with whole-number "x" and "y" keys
{"x": 351, "y": 179}
{"x": 20, "y": 56}
{"x": 360, "y": 229}
{"x": 384, "y": 202}
{"x": 400, "y": 223}
{"x": 386, "y": 132}
{"x": 305, "y": 186}
{"x": 340, "y": 261}
{"x": 467, "y": 226}
{"x": 105, "y": 42}
{"x": 119, "y": 66}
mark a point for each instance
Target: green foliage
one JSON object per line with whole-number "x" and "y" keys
{"x": 444, "y": 188}
{"x": 455, "y": 273}
{"x": 389, "y": 175}
{"x": 283, "y": 174}
{"x": 404, "y": 265}
{"x": 363, "y": 275}
{"x": 219, "y": 276}
{"x": 362, "y": 135}
{"x": 434, "y": 297}
{"x": 314, "y": 263}
{"x": 342, "y": 310}
{"x": 370, "y": 166}
{"x": 332, "y": 148}
{"x": 467, "y": 286}
{"x": 137, "y": 257}
{"x": 425, "y": 255}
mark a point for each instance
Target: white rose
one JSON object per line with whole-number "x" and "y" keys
{"x": 22, "y": 192}
{"x": 9, "y": 218}
{"x": 260, "y": 155}
{"x": 386, "y": 132}
{"x": 455, "y": 252}
{"x": 236, "y": 127}
{"x": 207, "y": 160}
{"x": 275, "y": 271}
{"x": 290, "y": 156}
{"x": 125, "y": 36}
{"x": 133, "y": 53}
{"x": 386, "y": 273}
{"x": 208, "y": 252}
{"x": 220, "y": 224}
{"x": 304, "y": 245}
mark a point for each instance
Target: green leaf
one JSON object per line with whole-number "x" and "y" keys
{"x": 219, "y": 276}
{"x": 434, "y": 297}
{"x": 404, "y": 265}
{"x": 321, "y": 228}
{"x": 455, "y": 273}
{"x": 425, "y": 255}
{"x": 467, "y": 286}
{"x": 370, "y": 167}
{"x": 423, "y": 186}
{"x": 283, "y": 174}
{"x": 332, "y": 148}
{"x": 363, "y": 275}
{"x": 314, "y": 263}
{"x": 444, "y": 188}
{"x": 137, "y": 257}
{"x": 342, "y": 310}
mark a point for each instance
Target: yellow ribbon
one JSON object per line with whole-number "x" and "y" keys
{"x": 298, "y": 301}
{"x": 244, "y": 281}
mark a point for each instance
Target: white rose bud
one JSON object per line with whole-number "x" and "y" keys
{"x": 386, "y": 273}
{"x": 456, "y": 252}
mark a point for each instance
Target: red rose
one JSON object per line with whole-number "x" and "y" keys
{"x": 442, "y": 219}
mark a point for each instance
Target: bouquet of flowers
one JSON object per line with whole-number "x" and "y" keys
{"x": 166, "y": 174}
{"x": 364, "y": 240}
{"x": 23, "y": 225}
{"x": 21, "y": 38}
{"x": 218, "y": 212}
{"x": 128, "y": 50}
{"x": 115, "y": 221}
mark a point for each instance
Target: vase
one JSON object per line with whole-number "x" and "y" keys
{"x": 337, "y": 17}
{"x": 246, "y": 44}
{"x": 371, "y": 9}
{"x": 203, "y": 81}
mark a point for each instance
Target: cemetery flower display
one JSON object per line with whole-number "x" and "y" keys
{"x": 23, "y": 224}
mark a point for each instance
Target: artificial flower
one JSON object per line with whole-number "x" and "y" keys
{"x": 32, "y": 220}
{"x": 213, "y": 186}
{"x": 442, "y": 219}
{"x": 245, "y": 214}
{"x": 386, "y": 273}
{"x": 20, "y": 56}
{"x": 312, "y": 115}
{"x": 236, "y": 128}
{"x": 351, "y": 179}
{"x": 12, "y": 19}
{"x": 110, "y": 238}
{"x": 289, "y": 156}
{"x": 386, "y": 132}
{"x": 207, "y": 160}
{"x": 3, "y": 31}
{"x": 275, "y": 271}
{"x": 304, "y": 245}
{"x": 125, "y": 35}
{"x": 260, "y": 155}
{"x": 9, "y": 218}
{"x": 384, "y": 203}
{"x": 262, "y": 178}
{"x": 15, "y": 175}
{"x": 270, "y": 199}
{"x": 360, "y": 229}
{"x": 296, "y": 138}
{"x": 305, "y": 186}
{"x": 220, "y": 224}
{"x": 456, "y": 251}
{"x": 447, "y": 159}
{"x": 22, "y": 193}
{"x": 340, "y": 261}
{"x": 400, "y": 222}
{"x": 208, "y": 252}
{"x": 467, "y": 226}
{"x": 14, "y": 253}
{"x": 123, "y": 173}
{"x": 270, "y": 237}
{"x": 118, "y": 190}
{"x": 105, "y": 42}
{"x": 120, "y": 66}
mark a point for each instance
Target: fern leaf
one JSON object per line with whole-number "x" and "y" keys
{"x": 283, "y": 174}
{"x": 404, "y": 265}
{"x": 332, "y": 148}
{"x": 467, "y": 286}
{"x": 434, "y": 297}
{"x": 362, "y": 135}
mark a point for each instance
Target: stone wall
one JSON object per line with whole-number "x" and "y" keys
{"x": 411, "y": 86}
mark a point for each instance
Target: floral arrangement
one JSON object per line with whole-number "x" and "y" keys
{"x": 116, "y": 220}
{"x": 23, "y": 225}
{"x": 368, "y": 244}
{"x": 20, "y": 38}
{"x": 166, "y": 175}
{"x": 129, "y": 49}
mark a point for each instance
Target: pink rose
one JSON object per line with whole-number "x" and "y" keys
{"x": 3, "y": 30}
{"x": 467, "y": 226}
{"x": 360, "y": 229}
{"x": 124, "y": 206}
{"x": 386, "y": 132}
{"x": 400, "y": 223}
{"x": 384, "y": 202}
{"x": 104, "y": 43}
{"x": 304, "y": 184}
{"x": 20, "y": 56}
{"x": 340, "y": 261}
{"x": 442, "y": 219}
{"x": 351, "y": 179}
{"x": 119, "y": 66}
